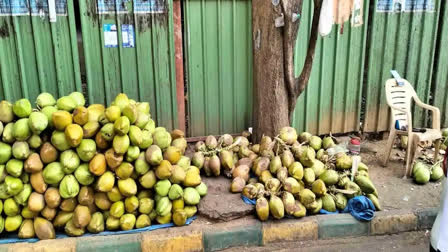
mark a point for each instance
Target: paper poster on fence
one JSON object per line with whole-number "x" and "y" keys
{"x": 127, "y": 36}
{"x": 112, "y": 6}
{"x": 149, "y": 6}
{"x": 14, "y": 8}
{"x": 405, "y": 6}
{"x": 110, "y": 35}
{"x": 31, "y": 7}
{"x": 40, "y": 7}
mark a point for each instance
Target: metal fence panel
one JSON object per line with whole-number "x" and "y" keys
{"x": 129, "y": 48}
{"x": 332, "y": 100}
{"x": 440, "y": 91}
{"x": 218, "y": 45}
{"x": 36, "y": 55}
{"x": 404, "y": 42}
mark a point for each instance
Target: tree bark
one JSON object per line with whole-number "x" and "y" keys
{"x": 270, "y": 92}
{"x": 276, "y": 88}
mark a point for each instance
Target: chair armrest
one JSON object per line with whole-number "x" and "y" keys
{"x": 408, "y": 115}
{"x": 435, "y": 112}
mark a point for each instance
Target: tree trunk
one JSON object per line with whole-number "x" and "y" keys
{"x": 270, "y": 93}
{"x": 276, "y": 88}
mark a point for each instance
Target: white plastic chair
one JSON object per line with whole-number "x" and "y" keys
{"x": 399, "y": 100}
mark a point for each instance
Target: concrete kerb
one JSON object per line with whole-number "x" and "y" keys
{"x": 241, "y": 232}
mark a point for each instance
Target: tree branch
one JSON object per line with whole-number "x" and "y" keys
{"x": 302, "y": 81}
{"x": 306, "y": 71}
{"x": 289, "y": 41}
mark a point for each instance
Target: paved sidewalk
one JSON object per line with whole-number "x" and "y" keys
{"x": 403, "y": 242}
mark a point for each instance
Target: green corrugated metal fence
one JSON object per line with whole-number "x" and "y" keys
{"x": 332, "y": 100}
{"x": 36, "y": 55}
{"x": 404, "y": 42}
{"x": 218, "y": 42}
{"x": 145, "y": 72}
{"x": 218, "y": 45}
{"x": 440, "y": 91}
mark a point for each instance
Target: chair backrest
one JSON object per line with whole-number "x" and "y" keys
{"x": 401, "y": 97}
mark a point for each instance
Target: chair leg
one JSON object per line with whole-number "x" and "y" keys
{"x": 437, "y": 149}
{"x": 410, "y": 154}
{"x": 390, "y": 143}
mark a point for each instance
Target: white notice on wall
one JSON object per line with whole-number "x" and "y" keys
{"x": 110, "y": 35}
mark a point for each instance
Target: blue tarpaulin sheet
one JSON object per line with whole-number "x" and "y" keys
{"x": 12, "y": 238}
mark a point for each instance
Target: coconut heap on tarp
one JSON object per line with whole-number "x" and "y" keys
{"x": 289, "y": 175}
{"x": 64, "y": 166}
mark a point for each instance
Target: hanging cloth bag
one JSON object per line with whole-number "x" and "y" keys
{"x": 326, "y": 18}
{"x": 342, "y": 11}
{"x": 357, "y": 13}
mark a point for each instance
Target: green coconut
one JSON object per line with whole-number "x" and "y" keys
{"x": 162, "y": 139}
{"x": 121, "y": 100}
{"x": 150, "y": 126}
{"x": 66, "y": 103}
{"x": 307, "y": 156}
{"x": 38, "y": 122}
{"x": 44, "y": 100}
{"x": 86, "y": 150}
{"x": 365, "y": 184}
{"x": 6, "y": 112}
{"x": 142, "y": 120}
{"x": 436, "y": 172}
{"x": 21, "y": 130}
{"x": 307, "y": 196}
{"x": 288, "y": 135}
{"x": 422, "y": 175}
{"x": 328, "y": 142}
{"x": 35, "y": 141}
{"x": 340, "y": 201}
{"x": 8, "y": 136}
{"x": 135, "y": 135}
{"x": 130, "y": 112}
{"x": 59, "y": 141}
{"x": 13, "y": 185}
{"x": 78, "y": 99}
{"x": 121, "y": 144}
{"x": 21, "y": 150}
{"x": 112, "y": 113}
{"x": 308, "y": 176}
{"x": 375, "y": 202}
{"x": 69, "y": 187}
{"x": 344, "y": 162}
{"x": 315, "y": 143}
{"x": 70, "y": 161}
{"x": 14, "y": 167}
{"x": 276, "y": 207}
{"x": 22, "y": 108}
{"x": 191, "y": 196}
{"x": 318, "y": 168}
{"x": 305, "y": 137}
{"x": 83, "y": 175}
{"x": 53, "y": 173}
{"x": 328, "y": 203}
{"x": 318, "y": 187}
{"x": 48, "y": 112}
{"x": 5, "y": 152}
{"x": 132, "y": 154}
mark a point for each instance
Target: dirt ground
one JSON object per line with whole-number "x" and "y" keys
{"x": 394, "y": 191}
{"x": 220, "y": 205}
